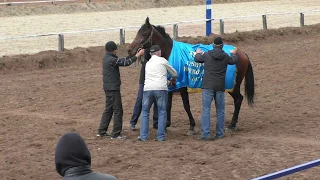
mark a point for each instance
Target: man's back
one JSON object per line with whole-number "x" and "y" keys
{"x": 156, "y": 74}
{"x": 215, "y": 66}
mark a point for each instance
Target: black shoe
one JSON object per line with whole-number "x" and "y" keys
{"x": 104, "y": 134}
{"x": 202, "y": 138}
{"x": 142, "y": 140}
{"x": 218, "y": 137}
{"x": 132, "y": 127}
{"x": 120, "y": 137}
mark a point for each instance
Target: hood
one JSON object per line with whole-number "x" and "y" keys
{"x": 71, "y": 151}
{"x": 217, "y": 53}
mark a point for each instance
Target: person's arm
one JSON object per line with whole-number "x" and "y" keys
{"x": 170, "y": 69}
{"x": 199, "y": 58}
{"x": 126, "y": 61}
{"x": 234, "y": 58}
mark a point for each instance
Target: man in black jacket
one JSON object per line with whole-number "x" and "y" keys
{"x": 73, "y": 159}
{"x": 213, "y": 86}
{"x": 111, "y": 86}
{"x": 138, "y": 105}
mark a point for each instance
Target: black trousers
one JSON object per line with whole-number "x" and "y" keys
{"x": 113, "y": 106}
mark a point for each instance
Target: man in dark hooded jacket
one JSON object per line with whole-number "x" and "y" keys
{"x": 73, "y": 159}
{"x": 213, "y": 86}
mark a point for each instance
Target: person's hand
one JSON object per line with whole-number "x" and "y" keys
{"x": 199, "y": 51}
{"x": 140, "y": 52}
{"x": 234, "y": 51}
{"x": 172, "y": 82}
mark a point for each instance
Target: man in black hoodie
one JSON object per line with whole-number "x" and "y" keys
{"x": 111, "y": 86}
{"x": 73, "y": 159}
{"x": 213, "y": 86}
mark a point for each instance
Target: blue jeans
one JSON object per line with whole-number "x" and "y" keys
{"x": 207, "y": 96}
{"x": 161, "y": 99}
{"x": 138, "y": 107}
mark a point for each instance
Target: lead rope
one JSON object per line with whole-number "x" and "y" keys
{"x": 139, "y": 59}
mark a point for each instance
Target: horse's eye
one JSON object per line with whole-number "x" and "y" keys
{"x": 144, "y": 34}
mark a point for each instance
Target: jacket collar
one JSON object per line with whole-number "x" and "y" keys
{"x": 77, "y": 171}
{"x": 111, "y": 54}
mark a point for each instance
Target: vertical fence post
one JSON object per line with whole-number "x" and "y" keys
{"x": 60, "y": 43}
{"x": 264, "y": 21}
{"x": 175, "y": 31}
{"x": 221, "y": 26}
{"x": 208, "y": 16}
{"x": 122, "y": 37}
{"x": 301, "y": 19}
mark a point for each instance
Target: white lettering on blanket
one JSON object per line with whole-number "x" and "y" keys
{"x": 195, "y": 70}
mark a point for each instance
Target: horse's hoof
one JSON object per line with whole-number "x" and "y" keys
{"x": 231, "y": 129}
{"x": 191, "y": 132}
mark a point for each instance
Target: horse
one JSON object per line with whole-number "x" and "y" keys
{"x": 149, "y": 35}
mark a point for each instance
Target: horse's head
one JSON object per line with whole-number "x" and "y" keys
{"x": 143, "y": 38}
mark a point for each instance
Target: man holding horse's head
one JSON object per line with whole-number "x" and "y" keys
{"x": 111, "y": 86}
{"x": 213, "y": 86}
{"x": 155, "y": 90}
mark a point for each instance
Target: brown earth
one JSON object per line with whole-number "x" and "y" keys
{"x": 47, "y": 94}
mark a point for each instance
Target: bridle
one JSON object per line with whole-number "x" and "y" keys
{"x": 149, "y": 40}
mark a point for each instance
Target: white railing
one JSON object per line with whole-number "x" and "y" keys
{"x": 175, "y": 27}
{"x": 36, "y": 2}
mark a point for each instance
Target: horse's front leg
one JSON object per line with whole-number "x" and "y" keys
{"x": 185, "y": 99}
{"x": 237, "y": 98}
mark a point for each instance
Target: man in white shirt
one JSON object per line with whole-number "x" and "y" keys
{"x": 156, "y": 90}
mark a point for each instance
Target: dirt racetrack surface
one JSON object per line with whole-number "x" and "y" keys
{"x": 47, "y": 94}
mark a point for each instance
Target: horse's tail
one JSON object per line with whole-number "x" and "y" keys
{"x": 249, "y": 85}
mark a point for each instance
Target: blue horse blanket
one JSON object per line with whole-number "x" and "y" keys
{"x": 190, "y": 73}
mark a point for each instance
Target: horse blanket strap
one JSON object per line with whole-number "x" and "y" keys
{"x": 190, "y": 73}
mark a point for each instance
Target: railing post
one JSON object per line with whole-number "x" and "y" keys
{"x": 122, "y": 37}
{"x": 301, "y": 19}
{"x": 60, "y": 43}
{"x": 264, "y": 21}
{"x": 221, "y": 26}
{"x": 175, "y": 31}
{"x": 208, "y": 16}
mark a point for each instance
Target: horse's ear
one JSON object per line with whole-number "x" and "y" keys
{"x": 147, "y": 22}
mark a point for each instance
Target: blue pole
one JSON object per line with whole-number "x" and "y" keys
{"x": 208, "y": 16}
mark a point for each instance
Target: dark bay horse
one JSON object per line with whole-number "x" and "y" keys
{"x": 149, "y": 35}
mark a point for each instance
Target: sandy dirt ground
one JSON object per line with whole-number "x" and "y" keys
{"x": 12, "y": 26}
{"x": 44, "y": 95}
{"x": 47, "y": 94}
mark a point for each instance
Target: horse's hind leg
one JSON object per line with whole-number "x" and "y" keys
{"x": 237, "y": 98}
{"x": 185, "y": 99}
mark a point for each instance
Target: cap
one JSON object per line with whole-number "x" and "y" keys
{"x": 111, "y": 46}
{"x": 155, "y": 48}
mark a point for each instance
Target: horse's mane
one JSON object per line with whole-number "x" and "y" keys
{"x": 162, "y": 31}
